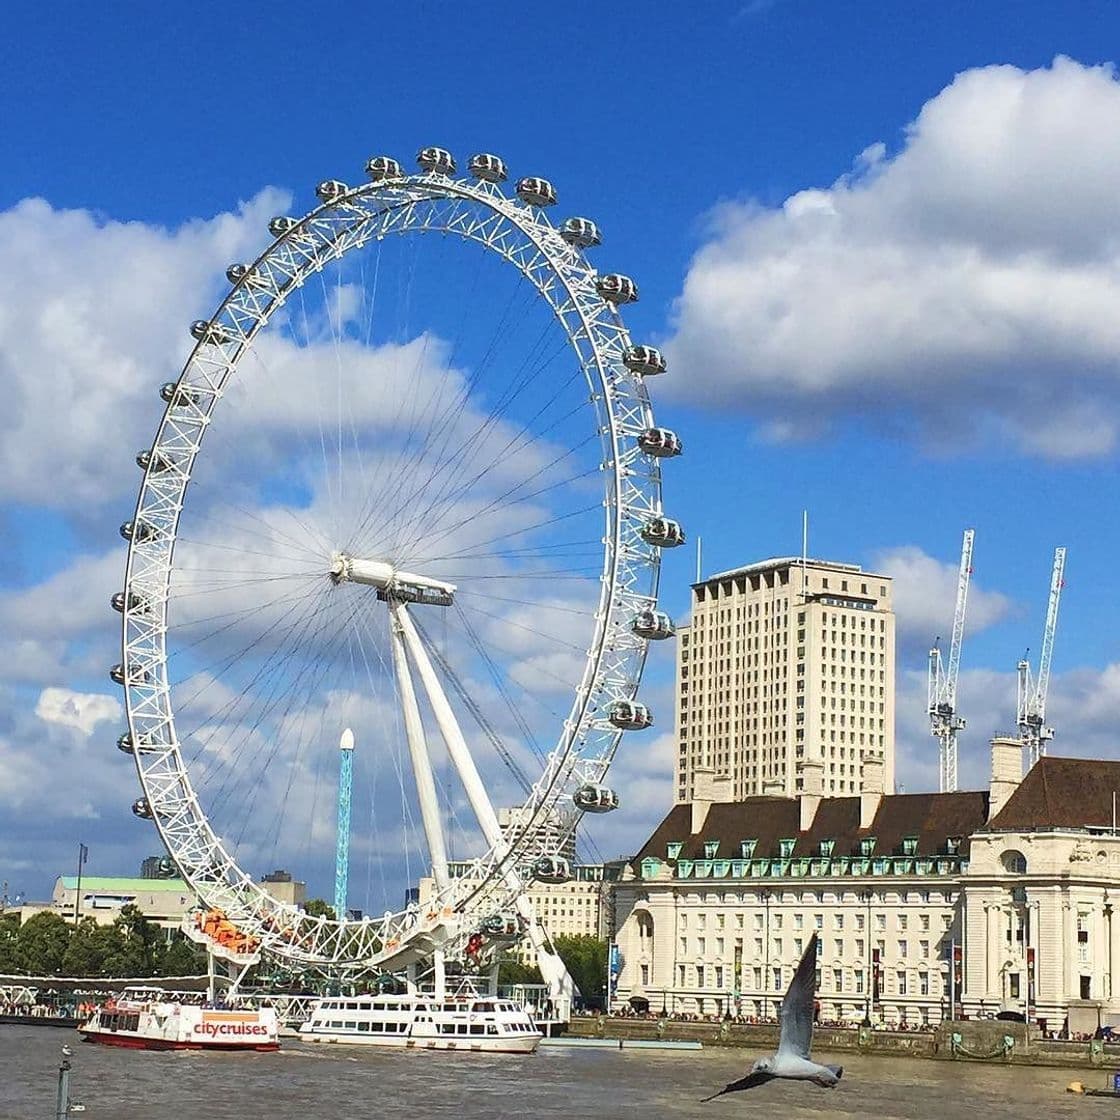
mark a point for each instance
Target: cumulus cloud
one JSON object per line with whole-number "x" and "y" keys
{"x": 80, "y": 710}
{"x": 962, "y": 288}
{"x": 925, "y": 597}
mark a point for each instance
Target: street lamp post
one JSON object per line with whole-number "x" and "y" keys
{"x": 83, "y": 854}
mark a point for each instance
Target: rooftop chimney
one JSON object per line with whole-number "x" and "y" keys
{"x": 707, "y": 789}
{"x": 871, "y": 788}
{"x": 1007, "y": 771}
{"x": 812, "y": 790}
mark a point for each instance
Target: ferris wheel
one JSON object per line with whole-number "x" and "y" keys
{"x": 447, "y": 537}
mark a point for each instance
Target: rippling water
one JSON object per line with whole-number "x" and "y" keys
{"x": 339, "y": 1083}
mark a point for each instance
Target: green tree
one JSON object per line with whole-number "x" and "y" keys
{"x": 41, "y": 944}
{"x": 87, "y": 949}
{"x": 182, "y": 958}
{"x": 513, "y": 971}
{"x": 135, "y": 946}
{"x": 319, "y": 908}
{"x": 9, "y": 930}
{"x": 585, "y": 958}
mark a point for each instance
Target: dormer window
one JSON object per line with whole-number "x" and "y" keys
{"x": 953, "y": 845}
{"x": 711, "y": 849}
{"x": 673, "y": 849}
{"x": 785, "y": 848}
{"x": 746, "y": 848}
{"x": 867, "y": 846}
{"x": 909, "y": 845}
{"x": 827, "y": 847}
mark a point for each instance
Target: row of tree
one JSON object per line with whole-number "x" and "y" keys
{"x": 585, "y": 958}
{"x": 48, "y": 945}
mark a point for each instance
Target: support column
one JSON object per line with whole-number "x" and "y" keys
{"x": 418, "y": 751}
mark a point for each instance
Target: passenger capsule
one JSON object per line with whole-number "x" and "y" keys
{"x": 116, "y": 674}
{"x": 281, "y": 225}
{"x": 616, "y": 288}
{"x": 213, "y": 333}
{"x": 136, "y": 603}
{"x": 383, "y": 167}
{"x": 581, "y": 232}
{"x": 536, "y": 192}
{"x": 660, "y": 442}
{"x": 137, "y": 531}
{"x": 436, "y": 161}
{"x": 506, "y": 927}
{"x": 653, "y": 625}
{"x": 124, "y": 743}
{"x": 330, "y": 189}
{"x": 142, "y": 809}
{"x": 646, "y": 360}
{"x": 552, "y": 869}
{"x": 630, "y": 715}
{"x": 591, "y": 798}
{"x": 179, "y": 395}
{"x": 488, "y": 167}
{"x": 153, "y": 462}
{"x": 663, "y": 532}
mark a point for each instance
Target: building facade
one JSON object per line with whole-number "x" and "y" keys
{"x": 927, "y": 905}
{"x": 783, "y": 662}
{"x": 163, "y": 901}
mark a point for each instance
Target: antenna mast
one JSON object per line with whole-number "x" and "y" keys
{"x": 1033, "y": 732}
{"x": 942, "y": 689}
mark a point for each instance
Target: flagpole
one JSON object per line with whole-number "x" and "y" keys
{"x": 83, "y": 853}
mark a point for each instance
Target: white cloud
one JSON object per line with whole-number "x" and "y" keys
{"x": 925, "y": 597}
{"x": 80, "y": 710}
{"x": 963, "y": 288}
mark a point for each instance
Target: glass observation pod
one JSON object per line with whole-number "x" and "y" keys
{"x": 488, "y": 167}
{"x": 142, "y": 809}
{"x": 616, "y": 288}
{"x": 536, "y": 192}
{"x": 502, "y": 927}
{"x": 436, "y": 161}
{"x": 238, "y": 273}
{"x": 116, "y": 674}
{"x": 663, "y": 532}
{"x": 660, "y": 442}
{"x": 138, "y": 531}
{"x": 595, "y": 799}
{"x": 330, "y": 189}
{"x": 630, "y": 715}
{"x": 181, "y": 395}
{"x": 157, "y": 464}
{"x": 654, "y": 625}
{"x": 124, "y": 743}
{"x": 281, "y": 225}
{"x": 646, "y": 360}
{"x": 552, "y": 869}
{"x": 136, "y": 603}
{"x": 581, "y": 232}
{"x": 209, "y": 332}
{"x": 383, "y": 167}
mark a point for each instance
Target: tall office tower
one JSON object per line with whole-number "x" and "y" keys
{"x": 785, "y": 662}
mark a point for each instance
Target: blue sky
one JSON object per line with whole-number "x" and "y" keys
{"x": 916, "y": 316}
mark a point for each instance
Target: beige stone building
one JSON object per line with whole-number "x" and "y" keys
{"x": 783, "y": 662}
{"x": 1016, "y": 885}
{"x": 163, "y": 901}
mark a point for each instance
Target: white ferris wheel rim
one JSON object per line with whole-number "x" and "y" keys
{"x": 522, "y": 235}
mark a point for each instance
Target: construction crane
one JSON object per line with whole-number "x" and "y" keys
{"x": 342, "y": 849}
{"x": 1033, "y": 732}
{"x": 942, "y": 693}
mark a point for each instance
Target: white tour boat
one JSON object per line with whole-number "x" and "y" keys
{"x": 155, "y": 1021}
{"x": 423, "y": 1022}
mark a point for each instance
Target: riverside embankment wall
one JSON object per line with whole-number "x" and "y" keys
{"x": 973, "y": 1040}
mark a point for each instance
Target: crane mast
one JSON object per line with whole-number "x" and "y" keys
{"x": 1033, "y": 732}
{"x": 942, "y": 691}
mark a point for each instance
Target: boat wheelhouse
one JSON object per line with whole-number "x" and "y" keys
{"x": 423, "y": 1022}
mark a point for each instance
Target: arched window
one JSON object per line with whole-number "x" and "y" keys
{"x": 1014, "y": 862}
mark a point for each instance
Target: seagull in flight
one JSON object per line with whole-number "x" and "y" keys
{"x": 792, "y": 1059}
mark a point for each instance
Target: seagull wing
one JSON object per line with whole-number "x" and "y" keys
{"x": 797, "y": 1007}
{"x": 748, "y": 1082}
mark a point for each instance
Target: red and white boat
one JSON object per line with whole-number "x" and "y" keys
{"x": 147, "y": 1021}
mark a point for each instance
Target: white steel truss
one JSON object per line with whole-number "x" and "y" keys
{"x": 522, "y": 235}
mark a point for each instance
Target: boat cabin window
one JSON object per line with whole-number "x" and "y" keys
{"x": 485, "y": 1006}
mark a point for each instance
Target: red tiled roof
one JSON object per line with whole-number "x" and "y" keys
{"x": 1063, "y": 793}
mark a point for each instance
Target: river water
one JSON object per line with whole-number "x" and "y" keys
{"x": 337, "y": 1083}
